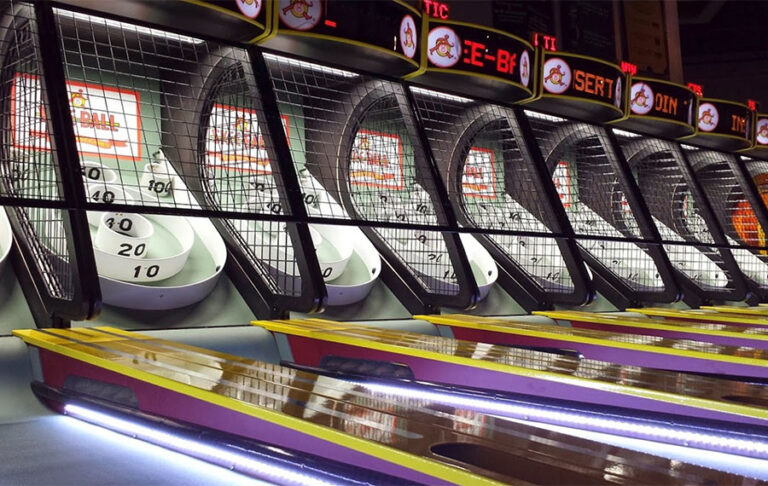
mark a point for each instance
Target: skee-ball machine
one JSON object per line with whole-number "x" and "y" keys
{"x": 278, "y": 263}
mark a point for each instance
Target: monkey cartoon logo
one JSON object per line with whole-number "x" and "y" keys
{"x": 444, "y": 47}
{"x": 525, "y": 68}
{"x": 642, "y": 98}
{"x": 762, "y": 131}
{"x": 300, "y": 14}
{"x": 78, "y": 99}
{"x": 241, "y": 124}
{"x": 250, "y": 8}
{"x": 557, "y": 75}
{"x": 708, "y": 117}
{"x": 408, "y": 36}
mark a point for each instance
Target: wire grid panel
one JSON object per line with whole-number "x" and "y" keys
{"x": 172, "y": 121}
{"x": 658, "y": 168}
{"x": 492, "y": 183}
{"x": 717, "y": 174}
{"x": 29, "y": 167}
{"x": 352, "y": 140}
{"x": 585, "y": 174}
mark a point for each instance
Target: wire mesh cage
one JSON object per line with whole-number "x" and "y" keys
{"x": 173, "y": 125}
{"x": 737, "y": 207}
{"x": 674, "y": 200}
{"x": 33, "y": 186}
{"x": 493, "y": 185}
{"x": 598, "y": 198}
{"x": 355, "y": 140}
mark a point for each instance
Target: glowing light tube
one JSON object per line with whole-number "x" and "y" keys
{"x": 711, "y": 440}
{"x": 216, "y": 455}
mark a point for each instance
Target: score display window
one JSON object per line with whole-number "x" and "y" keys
{"x": 235, "y": 141}
{"x": 377, "y": 160}
{"x": 106, "y": 120}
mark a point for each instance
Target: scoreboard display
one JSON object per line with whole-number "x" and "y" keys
{"x": 491, "y": 64}
{"x": 661, "y": 108}
{"x": 374, "y": 35}
{"x": 581, "y": 86}
{"x": 724, "y": 125}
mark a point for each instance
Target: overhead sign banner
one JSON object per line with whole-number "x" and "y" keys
{"x": 235, "y": 141}
{"x": 377, "y": 160}
{"x": 582, "y": 77}
{"x": 719, "y": 117}
{"x": 107, "y": 120}
{"x": 659, "y": 107}
{"x": 479, "y": 177}
{"x": 662, "y": 100}
{"x": 761, "y": 131}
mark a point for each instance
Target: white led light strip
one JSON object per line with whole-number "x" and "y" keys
{"x": 309, "y": 65}
{"x": 658, "y": 433}
{"x": 216, "y": 455}
{"x": 126, "y": 27}
{"x": 437, "y": 94}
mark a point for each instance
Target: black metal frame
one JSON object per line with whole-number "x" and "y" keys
{"x": 397, "y": 275}
{"x": 606, "y": 281}
{"x": 747, "y": 185}
{"x": 694, "y": 294}
{"x": 49, "y": 311}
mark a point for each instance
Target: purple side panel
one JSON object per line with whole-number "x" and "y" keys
{"x": 463, "y": 375}
{"x": 163, "y": 402}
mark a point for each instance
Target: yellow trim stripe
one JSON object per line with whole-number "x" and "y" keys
{"x": 705, "y": 316}
{"x": 416, "y": 463}
{"x": 482, "y": 76}
{"x": 508, "y": 328}
{"x": 315, "y": 331}
{"x": 732, "y": 309}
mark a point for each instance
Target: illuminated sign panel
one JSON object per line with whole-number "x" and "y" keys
{"x": 377, "y": 160}
{"x": 582, "y": 78}
{"x": 661, "y": 100}
{"x": 380, "y": 24}
{"x": 107, "y": 120}
{"x": 724, "y": 118}
{"x": 438, "y": 10}
{"x": 761, "y": 131}
{"x": 479, "y": 177}
{"x": 476, "y": 50}
{"x": 235, "y": 141}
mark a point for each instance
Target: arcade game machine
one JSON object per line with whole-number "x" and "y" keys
{"x": 336, "y": 154}
{"x": 731, "y": 183}
{"x": 191, "y": 166}
{"x": 493, "y": 183}
{"x": 682, "y": 212}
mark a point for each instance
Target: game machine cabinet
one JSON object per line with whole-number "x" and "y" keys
{"x": 43, "y": 229}
{"x": 613, "y": 228}
{"x": 493, "y": 183}
{"x": 723, "y": 128}
{"x": 677, "y": 203}
{"x": 756, "y": 158}
{"x": 172, "y": 255}
{"x": 358, "y": 152}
